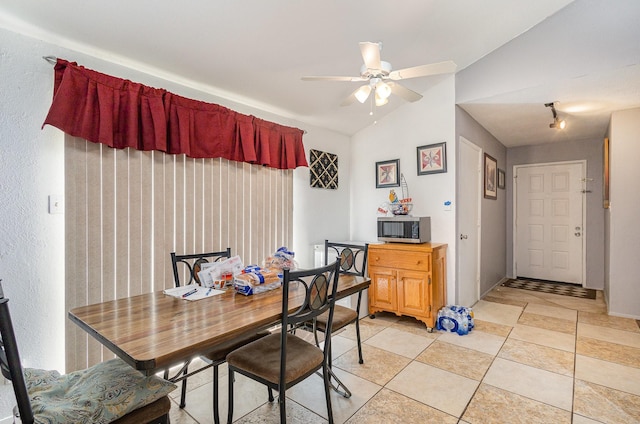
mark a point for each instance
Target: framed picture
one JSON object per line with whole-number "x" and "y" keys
{"x": 501, "y": 179}
{"x": 432, "y": 158}
{"x": 388, "y": 173}
{"x": 490, "y": 177}
{"x": 323, "y": 169}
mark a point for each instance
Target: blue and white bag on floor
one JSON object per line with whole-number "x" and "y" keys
{"x": 455, "y": 319}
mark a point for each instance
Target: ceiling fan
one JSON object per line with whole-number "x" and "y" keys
{"x": 381, "y": 79}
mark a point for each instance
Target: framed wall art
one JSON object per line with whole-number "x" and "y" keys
{"x": 323, "y": 169}
{"x": 432, "y": 158}
{"x": 490, "y": 177}
{"x": 388, "y": 173}
{"x": 501, "y": 177}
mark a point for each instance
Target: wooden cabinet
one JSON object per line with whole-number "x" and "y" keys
{"x": 408, "y": 279}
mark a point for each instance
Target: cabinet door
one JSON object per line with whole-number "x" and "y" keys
{"x": 439, "y": 280}
{"x": 382, "y": 292}
{"x": 413, "y": 293}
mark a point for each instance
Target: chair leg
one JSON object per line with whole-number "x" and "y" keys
{"x": 283, "y": 407}
{"x": 338, "y": 383}
{"x": 327, "y": 393}
{"x": 230, "y": 410}
{"x": 358, "y": 327}
{"x": 183, "y": 395}
{"x": 359, "y": 343}
{"x": 271, "y": 399}
{"x": 216, "y": 411}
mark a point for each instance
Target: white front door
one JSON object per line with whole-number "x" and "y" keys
{"x": 468, "y": 213}
{"x": 549, "y": 219}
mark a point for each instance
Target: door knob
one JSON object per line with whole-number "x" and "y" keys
{"x": 463, "y": 236}
{"x": 577, "y": 234}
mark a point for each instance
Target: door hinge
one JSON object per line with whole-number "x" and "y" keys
{"x": 429, "y": 308}
{"x": 429, "y": 280}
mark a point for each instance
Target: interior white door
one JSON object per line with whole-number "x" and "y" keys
{"x": 468, "y": 216}
{"x": 549, "y": 222}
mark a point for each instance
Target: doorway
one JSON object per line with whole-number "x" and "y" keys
{"x": 549, "y": 236}
{"x": 468, "y": 221}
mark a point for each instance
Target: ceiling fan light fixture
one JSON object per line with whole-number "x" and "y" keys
{"x": 383, "y": 90}
{"x": 362, "y": 94}
{"x": 381, "y": 101}
{"x": 381, "y": 79}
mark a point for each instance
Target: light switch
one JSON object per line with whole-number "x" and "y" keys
{"x": 56, "y": 204}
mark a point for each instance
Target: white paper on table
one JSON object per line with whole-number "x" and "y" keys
{"x": 211, "y": 271}
{"x": 201, "y": 292}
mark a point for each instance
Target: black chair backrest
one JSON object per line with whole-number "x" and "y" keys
{"x": 10, "y": 361}
{"x": 317, "y": 285}
{"x": 353, "y": 257}
{"x": 193, "y": 262}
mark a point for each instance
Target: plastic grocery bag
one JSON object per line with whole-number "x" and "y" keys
{"x": 455, "y": 319}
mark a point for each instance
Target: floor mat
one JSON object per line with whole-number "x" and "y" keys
{"x": 553, "y": 288}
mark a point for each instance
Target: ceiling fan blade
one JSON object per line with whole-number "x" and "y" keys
{"x": 404, "y": 92}
{"x": 349, "y": 100}
{"x": 423, "y": 70}
{"x": 314, "y": 78}
{"x": 371, "y": 55}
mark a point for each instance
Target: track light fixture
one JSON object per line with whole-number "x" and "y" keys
{"x": 557, "y": 123}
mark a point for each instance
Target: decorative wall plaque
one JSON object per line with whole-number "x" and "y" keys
{"x": 323, "y": 168}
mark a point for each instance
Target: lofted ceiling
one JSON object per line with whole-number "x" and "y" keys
{"x": 512, "y": 56}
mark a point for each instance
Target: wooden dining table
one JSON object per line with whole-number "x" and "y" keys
{"x": 155, "y": 331}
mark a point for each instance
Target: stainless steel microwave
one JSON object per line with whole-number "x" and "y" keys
{"x": 404, "y": 229}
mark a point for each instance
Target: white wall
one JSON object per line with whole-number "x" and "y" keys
{"x": 493, "y": 248}
{"x": 321, "y": 214}
{"x": 430, "y": 120}
{"x": 31, "y": 168}
{"x": 624, "y": 233}
{"x": 31, "y": 240}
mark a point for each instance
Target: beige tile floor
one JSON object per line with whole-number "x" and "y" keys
{"x": 532, "y": 358}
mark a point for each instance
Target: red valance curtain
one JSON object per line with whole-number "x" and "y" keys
{"x": 121, "y": 113}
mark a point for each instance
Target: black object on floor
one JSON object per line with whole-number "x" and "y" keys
{"x": 563, "y": 289}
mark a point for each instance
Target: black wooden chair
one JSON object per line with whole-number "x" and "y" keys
{"x": 193, "y": 263}
{"x": 353, "y": 261}
{"x": 281, "y": 360}
{"x": 95, "y": 394}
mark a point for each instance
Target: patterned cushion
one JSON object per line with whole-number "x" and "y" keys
{"x": 99, "y": 394}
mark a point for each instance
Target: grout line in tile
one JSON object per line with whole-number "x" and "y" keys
{"x": 430, "y": 406}
{"x": 480, "y": 382}
{"x": 485, "y": 373}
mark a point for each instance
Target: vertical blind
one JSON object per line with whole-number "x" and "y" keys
{"x": 127, "y": 209}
